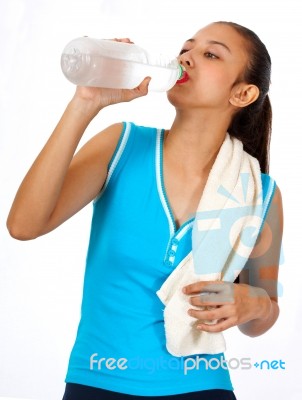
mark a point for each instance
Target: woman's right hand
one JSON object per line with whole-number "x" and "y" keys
{"x": 103, "y": 97}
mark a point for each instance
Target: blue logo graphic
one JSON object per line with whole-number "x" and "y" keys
{"x": 230, "y": 234}
{"x": 227, "y": 234}
{"x": 267, "y": 365}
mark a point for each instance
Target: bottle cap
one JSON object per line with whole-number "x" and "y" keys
{"x": 180, "y": 71}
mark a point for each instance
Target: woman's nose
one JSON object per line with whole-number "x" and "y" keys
{"x": 185, "y": 60}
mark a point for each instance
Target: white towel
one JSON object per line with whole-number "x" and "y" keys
{"x": 231, "y": 205}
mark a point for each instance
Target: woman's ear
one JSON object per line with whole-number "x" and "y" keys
{"x": 244, "y": 94}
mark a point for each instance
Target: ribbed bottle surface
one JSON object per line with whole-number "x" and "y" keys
{"x": 110, "y": 64}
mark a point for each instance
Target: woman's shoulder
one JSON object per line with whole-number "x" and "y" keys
{"x": 269, "y": 184}
{"x": 271, "y": 193}
{"x": 142, "y": 129}
{"x": 140, "y": 136}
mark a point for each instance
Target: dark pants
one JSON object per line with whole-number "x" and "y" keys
{"x": 81, "y": 392}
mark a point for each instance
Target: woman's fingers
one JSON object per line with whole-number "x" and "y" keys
{"x": 220, "y": 326}
{"x": 211, "y": 293}
{"x": 123, "y": 40}
{"x": 139, "y": 91}
{"x": 202, "y": 286}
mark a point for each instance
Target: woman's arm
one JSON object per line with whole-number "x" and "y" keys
{"x": 261, "y": 270}
{"x": 59, "y": 184}
{"x": 252, "y": 303}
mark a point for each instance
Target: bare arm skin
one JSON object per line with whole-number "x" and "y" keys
{"x": 262, "y": 270}
{"x": 60, "y": 183}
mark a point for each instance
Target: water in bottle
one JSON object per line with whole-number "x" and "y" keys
{"x": 110, "y": 64}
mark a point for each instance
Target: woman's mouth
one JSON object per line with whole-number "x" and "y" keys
{"x": 183, "y": 79}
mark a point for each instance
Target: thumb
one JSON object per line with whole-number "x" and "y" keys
{"x": 140, "y": 90}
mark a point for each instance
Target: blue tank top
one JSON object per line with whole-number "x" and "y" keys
{"x": 134, "y": 246}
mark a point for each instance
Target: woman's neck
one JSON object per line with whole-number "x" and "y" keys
{"x": 195, "y": 142}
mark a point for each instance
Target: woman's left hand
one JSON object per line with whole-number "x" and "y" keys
{"x": 226, "y": 304}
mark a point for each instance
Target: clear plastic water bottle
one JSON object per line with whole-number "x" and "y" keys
{"x": 106, "y": 63}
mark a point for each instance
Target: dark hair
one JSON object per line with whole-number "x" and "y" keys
{"x": 253, "y": 124}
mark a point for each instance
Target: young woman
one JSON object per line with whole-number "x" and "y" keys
{"x": 146, "y": 185}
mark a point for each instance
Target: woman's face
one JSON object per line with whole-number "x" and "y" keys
{"x": 215, "y": 59}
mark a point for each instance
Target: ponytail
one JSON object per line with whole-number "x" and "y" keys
{"x": 253, "y": 124}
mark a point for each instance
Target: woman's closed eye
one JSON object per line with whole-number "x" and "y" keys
{"x": 210, "y": 55}
{"x": 207, "y": 54}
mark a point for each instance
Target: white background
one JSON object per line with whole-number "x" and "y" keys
{"x": 41, "y": 280}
